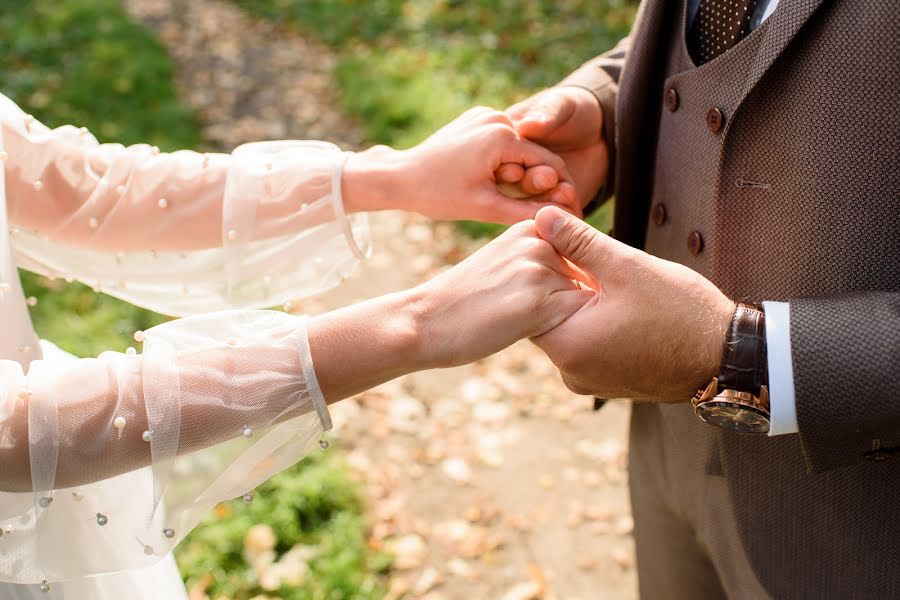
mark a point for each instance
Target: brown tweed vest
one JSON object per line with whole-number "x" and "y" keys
{"x": 791, "y": 193}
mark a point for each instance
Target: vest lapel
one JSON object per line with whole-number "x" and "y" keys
{"x": 780, "y": 28}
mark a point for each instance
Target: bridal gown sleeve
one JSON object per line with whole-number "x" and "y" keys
{"x": 131, "y": 451}
{"x": 180, "y": 233}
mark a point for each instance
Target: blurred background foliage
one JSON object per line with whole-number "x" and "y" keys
{"x": 405, "y": 68}
{"x": 84, "y": 62}
{"x": 311, "y": 515}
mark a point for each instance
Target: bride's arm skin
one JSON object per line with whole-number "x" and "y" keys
{"x": 108, "y": 197}
{"x": 507, "y": 291}
{"x": 449, "y": 176}
{"x": 515, "y": 287}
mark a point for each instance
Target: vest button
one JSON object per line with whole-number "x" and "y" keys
{"x": 659, "y": 214}
{"x": 695, "y": 243}
{"x": 881, "y": 454}
{"x": 715, "y": 120}
{"x": 671, "y": 100}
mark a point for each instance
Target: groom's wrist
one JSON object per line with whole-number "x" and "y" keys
{"x": 372, "y": 180}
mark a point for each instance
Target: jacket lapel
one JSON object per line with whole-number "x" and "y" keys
{"x": 779, "y": 29}
{"x": 638, "y": 105}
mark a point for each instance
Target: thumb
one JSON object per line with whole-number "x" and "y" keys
{"x": 539, "y": 120}
{"x": 574, "y": 239}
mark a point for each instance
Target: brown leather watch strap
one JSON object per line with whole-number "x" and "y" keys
{"x": 744, "y": 362}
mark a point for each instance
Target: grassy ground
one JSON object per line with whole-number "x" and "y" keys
{"x": 84, "y": 62}
{"x": 313, "y": 510}
{"x": 406, "y": 67}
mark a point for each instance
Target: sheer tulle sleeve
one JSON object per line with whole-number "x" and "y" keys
{"x": 127, "y": 452}
{"x": 132, "y": 450}
{"x": 181, "y": 232}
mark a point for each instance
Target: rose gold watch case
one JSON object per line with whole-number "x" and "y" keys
{"x": 734, "y": 410}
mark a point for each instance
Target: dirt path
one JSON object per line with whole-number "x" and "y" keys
{"x": 489, "y": 481}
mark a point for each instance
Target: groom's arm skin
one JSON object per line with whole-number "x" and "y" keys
{"x": 655, "y": 330}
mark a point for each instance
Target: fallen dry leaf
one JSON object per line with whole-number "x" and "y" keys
{"x": 527, "y": 590}
{"x": 457, "y": 470}
{"x": 409, "y": 551}
{"x": 429, "y": 579}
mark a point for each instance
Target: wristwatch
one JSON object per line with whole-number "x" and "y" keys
{"x": 737, "y": 399}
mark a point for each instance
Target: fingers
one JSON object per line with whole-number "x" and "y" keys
{"x": 575, "y": 240}
{"x": 579, "y": 278}
{"x": 530, "y": 154}
{"x": 510, "y": 173}
{"x": 506, "y": 208}
{"x": 564, "y": 195}
{"x": 485, "y": 114}
{"x": 537, "y": 118}
{"x": 534, "y": 180}
{"x": 539, "y": 179}
{"x": 509, "y": 211}
{"x": 561, "y": 305}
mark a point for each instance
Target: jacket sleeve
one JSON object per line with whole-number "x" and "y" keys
{"x": 600, "y": 76}
{"x": 845, "y": 353}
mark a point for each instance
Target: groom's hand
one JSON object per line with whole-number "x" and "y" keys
{"x": 654, "y": 331}
{"x": 568, "y": 121}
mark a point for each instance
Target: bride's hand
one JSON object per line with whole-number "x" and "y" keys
{"x": 513, "y": 288}
{"x": 450, "y": 176}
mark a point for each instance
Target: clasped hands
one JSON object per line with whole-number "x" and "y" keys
{"x": 616, "y": 321}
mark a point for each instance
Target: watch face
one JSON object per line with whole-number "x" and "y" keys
{"x": 734, "y": 416}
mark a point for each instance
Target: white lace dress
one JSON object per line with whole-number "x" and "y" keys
{"x": 106, "y": 463}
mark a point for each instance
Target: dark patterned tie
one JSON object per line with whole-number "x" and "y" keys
{"x": 718, "y": 26}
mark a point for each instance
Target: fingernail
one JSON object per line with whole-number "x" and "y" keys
{"x": 542, "y": 181}
{"x": 557, "y": 223}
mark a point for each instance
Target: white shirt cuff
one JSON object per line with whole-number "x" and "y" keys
{"x": 782, "y": 403}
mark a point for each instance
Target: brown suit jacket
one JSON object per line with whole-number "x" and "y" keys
{"x": 796, "y": 199}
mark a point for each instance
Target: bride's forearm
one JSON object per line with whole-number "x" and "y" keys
{"x": 364, "y": 345}
{"x": 373, "y": 180}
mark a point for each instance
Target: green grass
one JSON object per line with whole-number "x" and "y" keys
{"x": 83, "y": 62}
{"x": 406, "y": 67}
{"x": 313, "y": 505}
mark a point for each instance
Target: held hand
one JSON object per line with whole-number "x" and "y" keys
{"x": 568, "y": 121}
{"x": 450, "y": 175}
{"x": 654, "y": 331}
{"x": 513, "y": 288}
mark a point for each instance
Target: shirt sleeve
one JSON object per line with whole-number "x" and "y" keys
{"x": 782, "y": 404}
{"x": 180, "y": 232}
{"x": 134, "y": 449}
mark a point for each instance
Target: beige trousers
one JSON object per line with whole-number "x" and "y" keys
{"x": 688, "y": 546}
